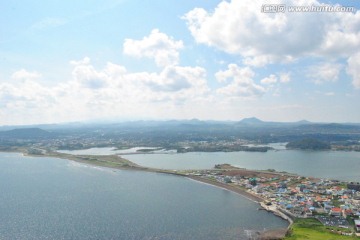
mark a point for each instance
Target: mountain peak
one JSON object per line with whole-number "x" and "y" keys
{"x": 252, "y": 120}
{"x": 303, "y": 122}
{"x": 25, "y": 133}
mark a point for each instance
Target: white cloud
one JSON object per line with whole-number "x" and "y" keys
{"x": 353, "y": 69}
{"x": 115, "y": 70}
{"x": 239, "y": 27}
{"x": 173, "y": 79}
{"x": 159, "y": 46}
{"x": 262, "y": 60}
{"x": 242, "y": 84}
{"x": 272, "y": 79}
{"x": 324, "y": 72}
{"x": 107, "y": 92}
{"x": 27, "y": 95}
{"x": 25, "y": 75}
{"x": 86, "y": 75}
{"x": 234, "y": 71}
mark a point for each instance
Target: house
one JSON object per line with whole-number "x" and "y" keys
{"x": 335, "y": 212}
{"x": 327, "y": 207}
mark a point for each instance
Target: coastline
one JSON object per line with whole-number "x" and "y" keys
{"x": 228, "y": 187}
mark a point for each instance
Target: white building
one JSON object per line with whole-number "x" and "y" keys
{"x": 357, "y": 225}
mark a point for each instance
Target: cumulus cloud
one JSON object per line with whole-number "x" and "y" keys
{"x": 107, "y": 91}
{"x": 242, "y": 84}
{"x": 239, "y": 27}
{"x": 275, "y": 80}
{"x": 170, "y": 80}
{"x": 272, "y": 79}
{"x": 262, "y": 60}
{"x": 324, "y": 72}
{"x": 353, "y": 69}
{"x": 26, "y": 98}
{"x": 173, "y": 79}
{"x": 158, "y": 46}
{"x": 85, "y": 74}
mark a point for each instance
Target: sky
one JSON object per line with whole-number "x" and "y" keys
{"x": 120, "y": 60}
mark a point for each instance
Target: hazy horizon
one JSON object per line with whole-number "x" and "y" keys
{"x": 114, "y": 121}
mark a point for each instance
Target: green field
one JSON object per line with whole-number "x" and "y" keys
{"x": 312, "y": 229}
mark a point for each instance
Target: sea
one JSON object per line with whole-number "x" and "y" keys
{"x": 337, "y": 165}
{"x": 49, "y": 198}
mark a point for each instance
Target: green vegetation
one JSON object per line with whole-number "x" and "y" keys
{"x": 312, "y": 229}
{"x": 147, "y": 150}
{"x": 308, "y": 144}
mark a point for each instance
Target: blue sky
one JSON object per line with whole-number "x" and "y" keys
{"x": 64, "y": 61}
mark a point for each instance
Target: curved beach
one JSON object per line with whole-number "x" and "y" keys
{"x": 237, "y": 190}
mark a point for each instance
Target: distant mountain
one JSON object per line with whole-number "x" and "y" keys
{"x": 257, "y": 123}
{"x": 251, "y": 121}
{"x": 303, "y": 122}
{"x": 254, "y": 120}
{"x": 329, "y": 127}
{"x": 26, "y": 133}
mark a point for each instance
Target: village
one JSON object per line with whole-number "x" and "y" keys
{"x": 334, "y": 203}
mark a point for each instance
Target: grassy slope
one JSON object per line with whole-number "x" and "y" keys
{"x": 312, "y": 229}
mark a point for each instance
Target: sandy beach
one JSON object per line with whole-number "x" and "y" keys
{"x": 228, "y": 187}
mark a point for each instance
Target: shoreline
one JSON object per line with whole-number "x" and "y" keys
{"x": 228, "y": 187}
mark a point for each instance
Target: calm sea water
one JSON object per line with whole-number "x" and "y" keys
{"x": 339, "y": 165}
{"x": 46, "y": 198}
{"x": 105, "y": 151}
